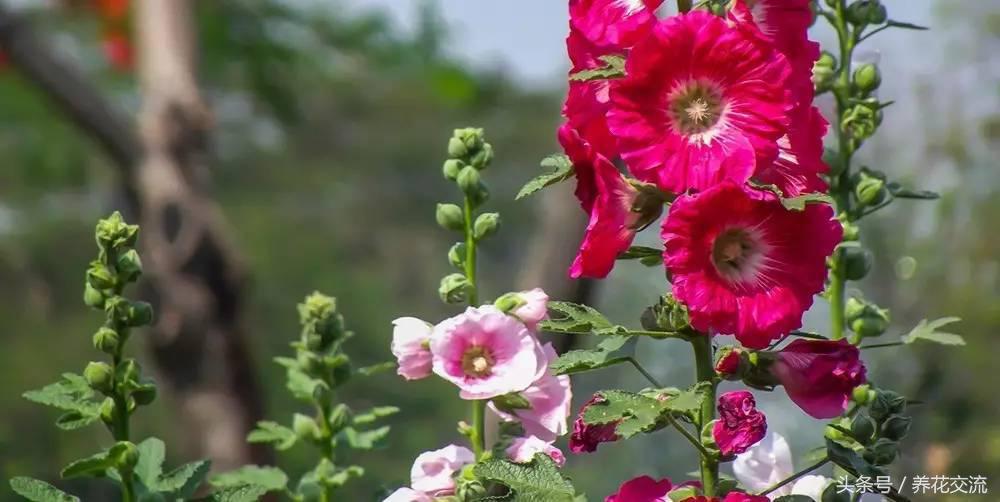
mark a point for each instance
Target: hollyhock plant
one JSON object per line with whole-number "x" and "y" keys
{"x": 740, "y": 425}
{"x": 741, "y": 263}
{"x": 523, "y": 450}
{"x": 619, "y": 23}
{"x": 785, "y": 24}
{"x": 548, "y": 398}
{"x": 408, "y": 495}
{"x": 730, "y": 497}
{"x": 411, "y": 345}
{"x": 701, "y": 102}
{"x": 433, "y": 471}
{"x": 534, "y": 309}
{"x": 642, "y": 489}
{"x": 486, "y": 353}
{"x": 799, "y": 165}
{"x": 819, "y": 375}
{"x": 586, "y": 437}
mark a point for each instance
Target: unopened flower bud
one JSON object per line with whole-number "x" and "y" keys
{"x": 865, "y": 12}
{"x": 486, "y": 225}
{"x": 107, "y": 410}
{"x": 340, "y": 417}
{"x": 867, "y": 78}
{"x": 450, "y": 217}
{"x": 886, "y": 403}
{"x": 471, "y": 490}
{"x": 305, "y": 427}
{"x": 727, "y": 364}
{"x": 129, "y": 266}
{"x": 823, "y": 73}
{"x": 457, "y": 148}
{"x": 113, "y": 233}
{"x": 667, "y": 315}
{"x": 125, "y": 455}
{"x": 863, "y": 429}
{"x": 92, "y": 297}
{"x": 106, "y": 340}
{"x": 139, "y": 314}
{"x": 857, "y": 262}
{"x": 454, "y": 288}
{"x": 861, "y": 121}
{"x": 99, "y": 376}
{"x": 509, "y": 302}
{"x": 870, "y": 190}
{"x": 321, "y": 392}
{"x": 468, "y": 180}
{"x": 310, "y": 362}
{"x": 451, "y": 168}
{"x": 456, "y": 255}
{"x": 863, "y": 394}
{"x": 883, "y": 452}
{"x": 851, "y": 231}
{"x": 130, "y": 371}
{"x": 144, "y": 394}
{"x": 896, "y": 427}
{"x": 481, "y": 159}
{"x": 869, "y": 321}
{"x": 99, "y": 276}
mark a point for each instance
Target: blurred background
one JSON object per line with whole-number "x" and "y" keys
{"x": 275, "y": 147}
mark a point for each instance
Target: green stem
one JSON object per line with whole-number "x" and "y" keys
{"x": 880, "y": 345}
{"x": 683, "y": 5}
{"x": 795, "y": 476}
{"x": 470, "y": 254}
{"x": 705, "y": 372}
{"x": 644, "y": 372}
{"x": 687, "y": 435}
{"x": 128, "y": 490}
{"x": 479, "y": 428}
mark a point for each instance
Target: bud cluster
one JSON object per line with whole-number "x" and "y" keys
{"x": 876, "y": 429}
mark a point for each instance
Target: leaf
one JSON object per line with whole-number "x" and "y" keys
{"x": 929, "y": 331}
{"x": 614, "y": 67}
{"x": 687, "y": 402}
{"x": 561, "y": 170}
{"x": 300, "y": 384}
{"x": 374, "y": 414}
{"x": 272, "y": 432}
{"x": 850, "y": 461}
{"x": 182, "y": 482}
{"x": 794, "y": 498}
{"x": 152, "y": 451}
{"x": 799, "y": 203}
{"x": 639, "y": 252}
{"x": 634, "y": 413}
{"x": 271, "y": 478}
{"x": 536, "y": 481}
{"x": 364, "y": 440}
{"x": 341, "y": 477}
{"x": 72, "y": 420}
{"x": 899, "y": 192}
{"x": 70, "y": 393}
{"x": 566, "y": 317}
{"x": 39, "y": 491}
{"x": 93, "y": 466}
{"x": 605, "y": 354}
{"x": 509, "y": 403}
{"x": 905, "y": 26}
{"x": 244, "y": 493}
{"x": 377, "y": 368}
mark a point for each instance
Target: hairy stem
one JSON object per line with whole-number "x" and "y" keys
{"x": 705, "y": 372}
{"x": 128, "y": 490}
{"x": 795, "y": 476}
{"x": 478, "y": 437}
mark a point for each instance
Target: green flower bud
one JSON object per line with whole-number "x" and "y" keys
{"x": 468, "y": 180}
{"x": 340, "y": 417}
{"x": 99, "y": 276}
{"x": 863, "y": 429}
{"x": 486, "y": 225}
{"x": 125, "y": 456}
{"x": 451, "y": 168}
{"x": 106, "y": 340}
{"x": 481, "y": 159}
{"x": 92, "y": 297}
{"x": 869, "y": 321}
{"x": 851, "y": 231}
{"x": 865, "y": 12}
{"x": 478, "y": 197}
{"x": 456, "y": 255}
{"x": 886, "y": 403}
{"x": 450, "y": 217}
{"x": 870, "y": 191}
{"x": 457, "y": 148}
{"x": 862, "y": 394}
{"x": 896, "y": 427}
{"x": 454, "y": 288}
{"x": 826, "y": 60}
{"x": 129, "y": 266}
{"x": 108, "y": 410}
{"x": 509, "y": 302}
{"x": 867, "y": 78}
{"x": 99, "y": 376}
{"x": 883, "y": 452}
{"x": 823, "y": 73}
{"x": 472, "y": 137}
{"x": 667, "y": 315}
{"x": 139, "y": 314}
{"x": 310, "y": 362}
{"x": 861, "y": 121}
{"x": 144, "y": 394}
{"x": 321, "y": 392}
{"x": 470, "y": 490}
{"x": 113, "y": 233}
{"x": 305, "y": 427}
{"x": 130, "y": 371}
{"x": 857, "y": 262}
{"x": 342, "y": 373}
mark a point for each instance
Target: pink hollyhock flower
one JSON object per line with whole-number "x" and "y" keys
{"x": 730, "y": 497}
{"x": 486, "y": 353}
{"x": 549, "y": 397}
{"x": 617, "y": 209}
{"x": 523, "y": 450}
{"x": 411, "y": 345}
{"x": 745, "y": 265}
{"x": 587, "y": 102}
{"x": 642, "y": 489}
{"x": 433, "y": 471}
{"x": 585, "y": 437}
{"x": 740, "y": 425}
{"x": 701, "y": 102}
{"x": 729, "y": 363}
{"x": 408, "y": 495}
{"x": 797, "y": 169}
{"x": 535, "y": 307}
{"x": 819, "y": 375}
{"x": 619, "y": 23}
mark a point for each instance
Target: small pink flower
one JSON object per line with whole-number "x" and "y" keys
{"x": 410, "y": 344}
{"x": 818, "y": 375}
{"x": 433, "y": 471}
{"x": 408, "y": 495}
{"x": 549, "y": 397}
{"x": 745, "y": 265}
{"x": 740, "y": 425}
{"x": 728, "y": 363}
{"x": 701, "y": 102}
{"x": 730, "y": 497}
{"x": 535, "y": 307}
{"x": 523, "y": 450}
{"x": 585, "y": 437}
{"x": 486, "y": 353}
{"x": 642, "y": 489}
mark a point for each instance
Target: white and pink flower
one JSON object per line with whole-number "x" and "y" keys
{"x": 411, "y": 345}
{"x": 549, "y": 398}
{"x": 433, "y": 472}
{"x": 523, "y": 450}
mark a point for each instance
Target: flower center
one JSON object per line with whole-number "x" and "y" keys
{"x": 695, "y": 106}
{"x": 737, "y": 254}
{"x": 477, "y": 362}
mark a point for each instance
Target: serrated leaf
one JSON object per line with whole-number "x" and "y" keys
{"x": 70, "y": 393}
{"x": 286, "y": 362}
{"x": 375, "y": 369}
{"x": 566, "y": 317}
{"x": 561, "y": 170}
{"x": 152, "y": 452}
{"x": 799, "y": 203}
{"x": 300, "y": 384}
{"x": 634, "y": 413}
{"x": 271, "y": 478}
{"x": 183, "y": 481}
{"x": 850, "y": 460}
{"x": 72, "y": 420}
{"x": 245, "y": 493}
{"x": 341, "y": 477}
{"x": 39, "y": 491}
{"x": 536, "y": 481}
{"x": 687, "y": 402}
{"x": 928, "y": 330}
{"x": 364, "y": 440}
{"x": 614, "y": 67}
{"x": 93, "y": 466}
{"x": 374, "y": 414}
{"x": 639, "y": 252}
{"x": 905, "y": 26}
{"x": 605, "y": 354}
{"x": 273, "y": 432}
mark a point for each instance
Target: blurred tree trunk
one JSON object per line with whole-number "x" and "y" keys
{"x": 197, "y": 276}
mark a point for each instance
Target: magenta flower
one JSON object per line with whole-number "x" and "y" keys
{"x": 523, "y": 450}
{"x": 702, "y": 102}
{"x": 785, "y": 24}
{"x": 433, "y": 471}
{"x": 642, "y": 489}
{"x": 408, "y": 495}
{"x": 740, "y": 424}
{"x": 411, "y": 346}
{"x": 799, "y": 165}
{"x": 535, "y": 307}
{"x": 728, "y": 363}
{"x": 618, "y": 23}
{"x": 730, "y": 497}
{"x": 549, "y": 397}
{"x": 819, "y": 375}
{"x": 486, "y": 353}
{"x": 745, "y": 265}
{"x": 585, "y": 437}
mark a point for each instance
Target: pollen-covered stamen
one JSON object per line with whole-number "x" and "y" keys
{"x": 695, "y": 106}
{"x": 477, "y": 362}
{"x": 738, "y": 254}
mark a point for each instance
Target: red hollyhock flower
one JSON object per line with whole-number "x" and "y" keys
{"x": 641, "y": 489}
{"x": 745, "y": 265}
{"x": 740, "y": 425}
{"x": 800, "y": 155}
{"x": 702, "y": 102}
{"x": 118, "y": 49}
{"x": 586, "y": 104}
{"x": 616, "y": 23}
{"x": 585, "y": 438}
{"x": 819, "y": 375}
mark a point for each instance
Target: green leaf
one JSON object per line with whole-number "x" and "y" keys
{"x": 287, "y": 362}
{"x": 929, "y": 331}
{"x": 72, "y": 420}
{"x": 566, "y": 317}
{"x": 561, "y": 169}
{"x": 905, "y": 26}
{"x": 536, "y": 481}
{"x": 646, "y": 255}
{"x": 70, "y": 393}
{"x": 364, "y": 440}
{"x": 634, "y": 413}
{"x": 614, "y": 67}
{"x": 271, "y": 478}
{"x": 850, "y": 460}
{"x": 182, "y": 482}
{"x": 152, "y": 452}
{"x": 605, "y": 354}
{"x": 686, "y": 403}
{"x": 39, "y": 491}
{"x": 301, "y": 385}
{"x": 799, "y": 203}
{"x": 374, "y": 414}
{"x": 244, "y": 493}
{"x": 511, "y": 402}
{"x": 899, "y": 192}
{"x": 93, "y": 466}
{"x": 377, "y": 368}
{"x": 342, "y": 476}
{"x": 794, "y": 498}
{"x": 273, "y": 432}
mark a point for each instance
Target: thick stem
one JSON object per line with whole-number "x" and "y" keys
{"x": 470, "y": 254}
{"x": 128, "y": 490}
{"x": 705, "y": 372}
{"x": 478, "y": 437}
